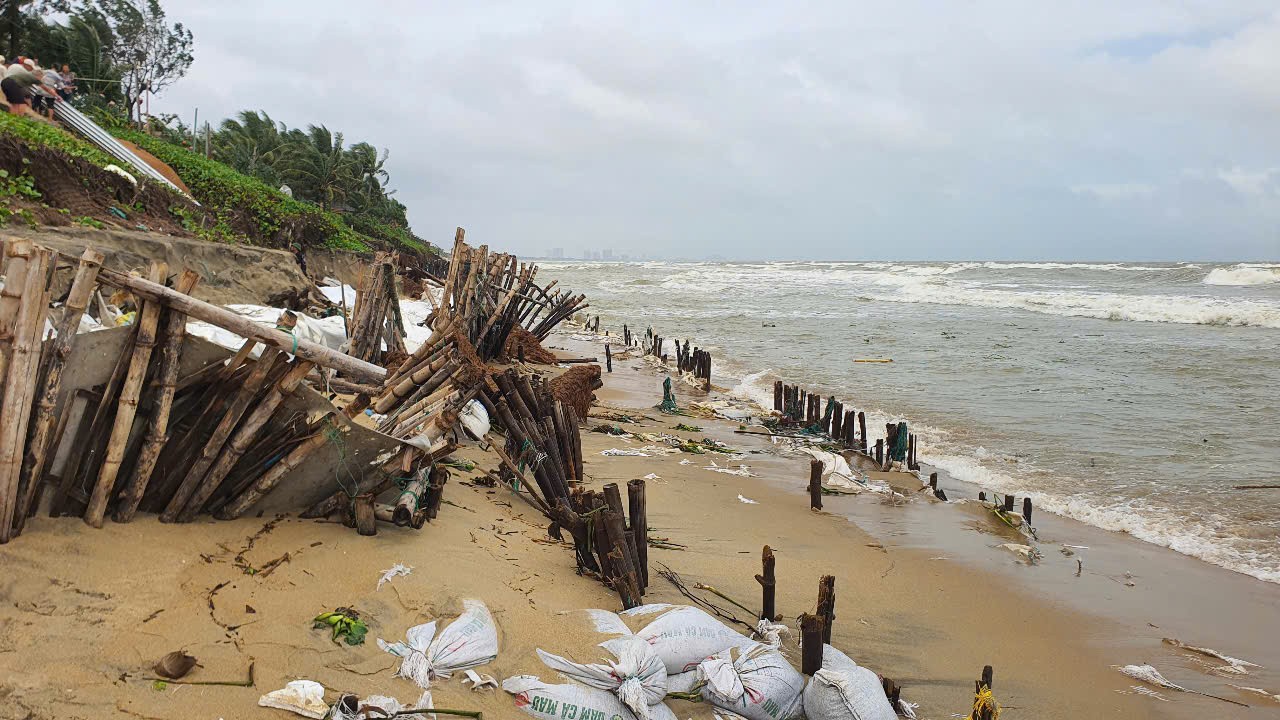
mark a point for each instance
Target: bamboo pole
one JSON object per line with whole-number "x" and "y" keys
{"x": 268, "y": 481}
{"x": 354, "y": 368}
{"x": 157, "y": 429}
{"x": 244, "y": 436}
{"x": 208, "y": 454}
{"x": 15, "y": 409}
{"x": 38, "y": 449}
{"x": 127, "y": 405}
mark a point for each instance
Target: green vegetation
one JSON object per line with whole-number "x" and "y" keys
{"x": 40, "y": 134}
{"x": 245, "y": 209}
{"x": 19, "y": 187}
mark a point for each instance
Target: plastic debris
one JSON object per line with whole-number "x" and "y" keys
{"x": 741, "y": 471}
{"x": 469, "y": 641}
{"x": 620, "y": 452}
{"x": 1233, "y": 665}
{"x": 652, "y": 476}
{"x": 304, "y": 697}
{"x": 747, "y": 501}
{"x": 480, "y": 681}
{"x": 394, "y": 571}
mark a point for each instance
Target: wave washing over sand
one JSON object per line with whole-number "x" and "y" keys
{"x": 1015, "y": 376}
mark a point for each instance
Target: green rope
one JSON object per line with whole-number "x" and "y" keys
{"x": 899, "y": 450}
{"x": 290, "y": 333}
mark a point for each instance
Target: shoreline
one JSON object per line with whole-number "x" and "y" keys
{"x": 1172, "y": 594}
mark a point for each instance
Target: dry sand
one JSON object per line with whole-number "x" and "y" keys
{"x": 84, "y": 613}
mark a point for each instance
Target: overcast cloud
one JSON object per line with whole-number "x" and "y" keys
{"x": 812, "y": 130}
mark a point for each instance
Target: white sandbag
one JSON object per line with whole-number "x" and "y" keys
{"x": 638, "y": 678}
{"x": 558, "y": 702}
{"x": 683, "y": 635}
{"x": 682, "y": 682}
{"x": 469, "y": 641}
{"x": 756, "y": 682}
{"x": 842, "y": 690}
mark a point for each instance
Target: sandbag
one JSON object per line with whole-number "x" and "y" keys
{"x": 683, "y": 635}
{"x": 843, "y": 690}
{"x": 638, "y": 678}
{"x": 469, "y": 641}
{"x": 756, "y": 682}
{"x": 557, "y": 702}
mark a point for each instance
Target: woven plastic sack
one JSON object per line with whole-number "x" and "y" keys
{"x": 557, "y": 702}
{"x": 842, "y": 690}
{"x": 469, "y": 641}
{"x": 756, "y": 682}
{"x": 683, "y": 635}
{"x": 638, "y": 678}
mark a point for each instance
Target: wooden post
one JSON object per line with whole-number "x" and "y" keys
{"x": 1026, "y": 510}
{"x": 438, "y": 476}
{"x": 355, "y": 369}
{"x": 157, "y": 429}
{"x": 366, "y": 521}
{"x": 827, "y": 605}
{"x": 982, "y": 497}
{"x": 862, "y": 430}
{"x": 33, "y": 465}
{"x": 979, "y": 686}
{"x": 1008, "y": 503}
{"x": 933, "y": 481}
{"x": 639, "y": 528}
{"x": 837, "y": 418}
{"x": 880, "y": 452}
{"x": 608, "y": 358}
{"x": 768, "y": 585}
{"x": 777, "y": 395}
{"x": 29, "y": 283}
{"x": 815, "y": 484}
{"x": 810, "y": 643}
{"x": 625, "y": 577}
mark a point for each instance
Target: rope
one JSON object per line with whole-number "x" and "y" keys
{"x": 334, "y": 437}
{"x": 985, "y": 705}
{"x": 289, "y": 331}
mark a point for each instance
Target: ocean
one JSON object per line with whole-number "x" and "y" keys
{"x": 1128, "y": 396}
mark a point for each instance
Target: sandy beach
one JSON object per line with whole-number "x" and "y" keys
{"x": 83, "y": 622}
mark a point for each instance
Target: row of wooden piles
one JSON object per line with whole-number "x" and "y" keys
{"x": 200, "y": 442}
{"x": 845, "y": 426}
{"x": 695, "y": 361}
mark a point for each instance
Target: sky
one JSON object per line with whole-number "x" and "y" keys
{"x": 905, "y": 129}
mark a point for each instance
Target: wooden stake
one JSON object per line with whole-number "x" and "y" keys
{"x": 639, "y": 528}
{"x": 366, "y": 521}
{"x": 827, "y": 605}
{"x": 1026, "y": 510}
{"x": 127, "y": 404}
{"x": 815, "y": 484}
{"x": 33, "y": 466}
{"x": 158, "y": 428}
{"x": 810, "y": 643}
{"x": 15, "y": 410}
{"x": 768, "y": 585}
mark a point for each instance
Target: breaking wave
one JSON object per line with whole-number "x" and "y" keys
{"x": 1244, "y": 275}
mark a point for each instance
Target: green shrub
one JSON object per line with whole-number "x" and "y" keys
{"x": 40, "y": 134}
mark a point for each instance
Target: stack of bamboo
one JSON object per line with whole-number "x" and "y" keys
{"x": 214, "y": 440}
{"x": 606, "y": 541}
{"x": 376, "y": 331}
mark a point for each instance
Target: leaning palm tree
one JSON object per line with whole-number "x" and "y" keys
{"x": 367, "y": 177}
{"x": 317, "y": 166}
{"x": 254, "y": 145}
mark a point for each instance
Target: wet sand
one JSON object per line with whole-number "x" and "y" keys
{"x": 84, "y": 613}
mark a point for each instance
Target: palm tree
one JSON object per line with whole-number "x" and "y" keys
{"x": 317, "y": 166}
{"x": 254, "y": 145}
{"x": 367, "y": 178}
